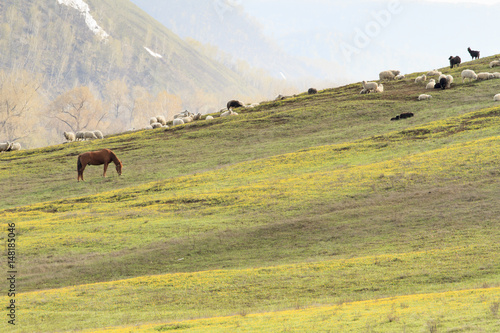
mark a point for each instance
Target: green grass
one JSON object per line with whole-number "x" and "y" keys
{"x": 310, "y": 201}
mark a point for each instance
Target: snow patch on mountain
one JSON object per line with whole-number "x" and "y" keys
{"x": 84, "y": 9}
{"x": 154, "y": 54}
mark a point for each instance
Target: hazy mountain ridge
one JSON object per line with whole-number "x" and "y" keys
{"x": 53, "y": 39}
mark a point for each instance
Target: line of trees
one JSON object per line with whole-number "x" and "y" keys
{"x": 28, "y": 116}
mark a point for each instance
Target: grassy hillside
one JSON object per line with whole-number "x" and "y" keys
{"x": 313, "y": 213}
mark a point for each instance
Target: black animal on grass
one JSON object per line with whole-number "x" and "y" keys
{"x": 403, "y": 116}
{"x": 454, "y": 61}
{"x": 234, "y": 104}
{"x": 473, "y": 54}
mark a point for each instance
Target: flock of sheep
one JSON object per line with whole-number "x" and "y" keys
{"x": 83, "y": 135}
{"x": 9, "y": 146}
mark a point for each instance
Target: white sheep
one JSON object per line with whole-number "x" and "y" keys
{"x": 152, "y": 120}
{"x": 98, "y": 134}
{"x": 485, "y": 76}
{"x": 434, "y": 73}
{"x": 209, "y": 118}
{"x": 69, "y": 136}
{"x": 197, "y": 116}
{"x": 494, "y": 63}
{"x": 449, "y": 81}
{"x": 496, "y": 75}
{"x": 183, "y": 114}
{"x": 387, "y": 75}
{"x": 89, "y": 135}
{"x": 468, "y": 74}
{"x": 4, "y": 146}
{"x": 380, "y": 88}
{"x": 187, "y": 119}
{"x": 431, "y": 84}
{"x": 80, "y": 135}
{"x": 496, "y": 97}
{"x": 178, "y": 121}
{"x": 15, "y": 146}
{"x": 420, "y": 78}
{"x": 161, "y": 120}
{"x": 370, "y": 85}
{"x": 424, "y": 97}
{"x": 399, "y": 77}
{"x": 156, "y": 125}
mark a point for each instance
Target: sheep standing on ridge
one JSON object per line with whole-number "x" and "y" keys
{"x": 369, "y": 86}
{"x": 468, "y": 74}
{"x": 388, "y": 75}
{"x": 473, "y": 54}
{"x": 161, "y": 120}
{"x": 312, "y": 91}
{"x": 4, "y": 146}
{"x": 14, "y": 146}
{"x": 152, "y": 120}
{"x": 80, "y": 135}
{"x": 98, "y": 134}
{"x": 69, "y": 136}
{"x": 454, "y": 61}
{"x": 89, "y": 135}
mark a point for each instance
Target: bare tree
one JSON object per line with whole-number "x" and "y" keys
{"x": 20, "y": 104}
{"x": 78, "y": 109}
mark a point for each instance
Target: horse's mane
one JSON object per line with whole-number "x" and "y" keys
{"x": 114, "y": 157}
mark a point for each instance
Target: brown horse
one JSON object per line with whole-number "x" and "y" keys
{"x": 103, "y": 156}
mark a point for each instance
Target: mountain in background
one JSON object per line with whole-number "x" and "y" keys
{"x": 70, "y": 65}
{"x": 337, "y": 41}
{"x": 72, "y": 42}
{"x": 226, "y": 25}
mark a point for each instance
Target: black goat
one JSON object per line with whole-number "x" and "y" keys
{"x": 473, "y": 54}
{"x": 234, "y": 104}
{"x": 454, "y": 61}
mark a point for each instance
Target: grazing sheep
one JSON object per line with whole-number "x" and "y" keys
{"x": 234, "y": 104}
{"x": 473, "y": 54}
{"x": 485, "y": 76}
{"x": 399, "y": 77}
{"x": 431, "y": 84}
{"x": 443, "y": 82}
{"x": 80, "y": 135}
{"x": 424, "y": 97}
{"x": 152, "y": 120}
{"x": 496, "y": 97}
{"x": 98, "y": 134}
{"x": 4, "y": 146}
{"x": 449, "y": 81}
{"x": 228, "y": 113}
{"x": 387, "y": 75}
{"x": 209, "y": 118}
{"x": 312, "y": 91}
{"x": 183, "y": 114}
{"x": 496, "y": 75}
{"x": 69, "y": 136}
{"x": 468, "y": 74}
{"x": 14, "y": 146}
{"x": 161, "y": 120}
{"x": 370, "y": 85}
{"x": 364, "y": 91}
{"x": 178, "y": 121}
{"x": 197, "y": 116}
{"x": 89, "y": 135}
{"x": 494, "y": 63}
{"x": 380, "y": 88}
{"x": 433, "y": 73}
{"x": 187, "y": 119}
{"x": 454, "y": 61}
{"x": 420, "y": 78}
{"x": 156, "y": 125}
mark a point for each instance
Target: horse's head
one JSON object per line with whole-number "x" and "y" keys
{"x": 119, "y": 168}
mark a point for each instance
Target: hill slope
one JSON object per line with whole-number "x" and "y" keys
{"x": 57, "y": 39}
{"x": 316, "y": 206}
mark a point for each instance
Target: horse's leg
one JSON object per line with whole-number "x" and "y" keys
{"x": 105, "y": 168}
{"x": 80, "y": 172}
